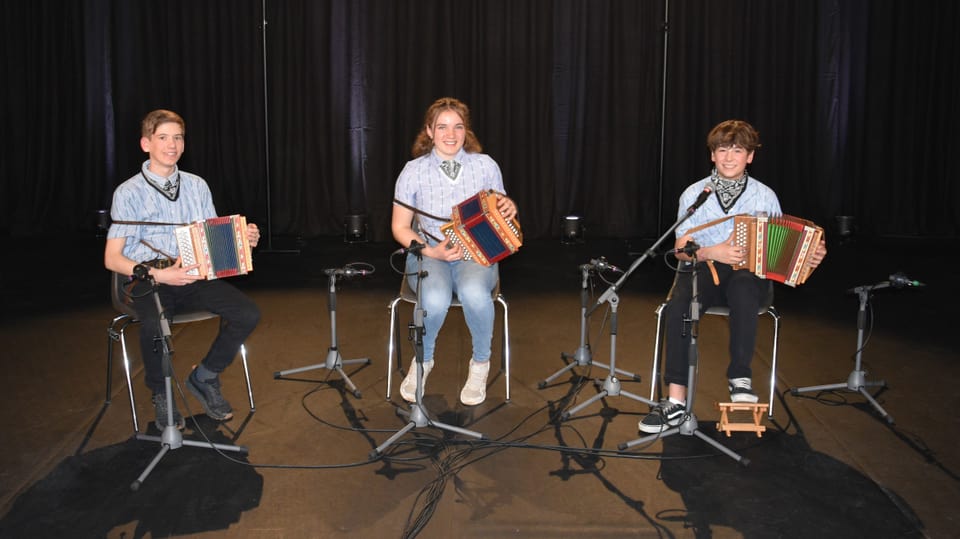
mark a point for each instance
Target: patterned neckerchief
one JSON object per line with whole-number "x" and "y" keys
{"x": 728, "y": 191}
{"x": 451, "y": 168}
{"x": 169, "y": 189}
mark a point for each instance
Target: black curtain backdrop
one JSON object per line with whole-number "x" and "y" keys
{"x": 854, "y": 100}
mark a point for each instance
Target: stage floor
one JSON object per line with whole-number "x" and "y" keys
{"x": 827, "y": 465}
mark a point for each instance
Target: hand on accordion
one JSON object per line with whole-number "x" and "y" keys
{"x": 445, "y": 250}
{"x": 253, "y": 234}
{"x": 506, "y": 206}
{"x": 176, "y": 275}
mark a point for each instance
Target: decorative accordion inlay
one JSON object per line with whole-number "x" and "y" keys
{"x": 479, "y": 228}
{"x": 778, "y": 248}
{"x": 219, "y": 245}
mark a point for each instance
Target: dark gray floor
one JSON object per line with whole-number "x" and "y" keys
{"x": 827, "y": 464}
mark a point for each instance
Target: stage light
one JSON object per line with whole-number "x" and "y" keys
{"x": 355, "y": 228}
{"x": 571, "y": 229}
{"x": 846, "y": 226}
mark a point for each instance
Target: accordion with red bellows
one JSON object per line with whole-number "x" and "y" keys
{"x": 778, "y": 248}
{"x": 483, "y": 233}
{"x": 218, "y": 245}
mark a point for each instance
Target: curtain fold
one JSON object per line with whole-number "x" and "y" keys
{"x": 854, "y": 101}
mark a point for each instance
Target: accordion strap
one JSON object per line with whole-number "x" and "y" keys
{"x": 148, "y": 223}
{"x": 709, "y": 224}
{"x": 418, "y": 212}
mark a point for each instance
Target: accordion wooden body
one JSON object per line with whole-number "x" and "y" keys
{"x": 778, "y": 248}
{"x": 219, "y": 245}
{"x": 479, "y": 228}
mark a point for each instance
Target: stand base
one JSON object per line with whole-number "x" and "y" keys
{"x": 334, "y": 362}
{"x": 583, "y": 358}
{"x": 611, "y": 388}
{"x": 689, "y": 427}
{"x": 419, "y": 419}
{"x": 171, "y": 439}
{"x": 857, "y": 383}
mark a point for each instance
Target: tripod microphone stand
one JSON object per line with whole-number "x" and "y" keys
{"x": 334, "y": 361}
{"x": 417, "y": 414}
{"x": 171, "y": 437}
{"x": 857, "y": 381}
{"x": 584, "y": 356}
{"x": 611, "y": 385}
{"x": 689, "y": 425}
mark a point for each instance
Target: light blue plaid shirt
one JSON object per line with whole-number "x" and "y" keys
{"x": 424, "y": 186}
{"x": 756, "y": 197}
{"x": 136, "y": 200}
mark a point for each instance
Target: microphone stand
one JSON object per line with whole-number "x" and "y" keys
{"x": 583, "y": 356}
{"x": 334, "y": 360}
{"x": 611, "y": 385}
{"x": 857, "y": 380}
{"x": 689, "y": 425}
{"x": 171, "y": 437}
{"x": 417, "y": 415}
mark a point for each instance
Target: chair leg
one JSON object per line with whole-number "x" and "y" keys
{"x": 506, "y": 343}
{"x": 126, "y": 371}
{"x": 657, "y": 349}
{"x": 773, "y": 362}
{"x": 246, "y": 374}
{"x": 392, "y": 343}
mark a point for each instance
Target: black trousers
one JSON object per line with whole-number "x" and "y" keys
{"x": 741, "y": 291}
{"x": 238, "y": 318}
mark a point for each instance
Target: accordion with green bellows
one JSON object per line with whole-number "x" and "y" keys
{"x": 778, "y": 248}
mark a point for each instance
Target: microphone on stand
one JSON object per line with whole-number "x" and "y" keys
{"x": 414, "y": 248}
{"x": 347, "y": 272}
{"x": 899, "y": 280}
{"x": 689, "y": 249}
{"x": 141, "y": 272}
{"x": 601, "y": 264}
{"x": 701, "y": 198}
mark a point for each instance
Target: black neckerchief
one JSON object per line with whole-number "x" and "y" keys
{"x": 728, "y": 191}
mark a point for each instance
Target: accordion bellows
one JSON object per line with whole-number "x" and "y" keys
{"x": 219, "y": 245}
{"x": 479, "y": 228}
{"x": 778, "y": 248}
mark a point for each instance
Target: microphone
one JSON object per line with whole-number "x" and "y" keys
{"x": 414, "y": 248}
{"x": 602, "y": 265}
{"x": 701, "y": 198}
{"x": 689, "y": 249}
{"x": 347, "y": 272}
{"x": 141, "y": 272}
{"x": 899, "y": 280}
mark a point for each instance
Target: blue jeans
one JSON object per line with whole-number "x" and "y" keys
{"x": 472, "y": 283}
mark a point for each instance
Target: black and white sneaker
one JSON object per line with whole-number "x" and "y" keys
{"x": 741, "y": 390}
{"x": 667, "y": 414}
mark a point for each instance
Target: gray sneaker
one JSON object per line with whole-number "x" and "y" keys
{"x": 160, "y": 407}
{"x": 208, "y": 393}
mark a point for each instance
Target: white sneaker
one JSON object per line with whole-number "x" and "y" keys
{"x": 475, "y": 390}
{"x": 408, "y": 388}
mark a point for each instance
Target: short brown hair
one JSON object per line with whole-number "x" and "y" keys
{"x": 733, "y": 133}
{"x": 156, "y": 118}
{"x": 423, "y": 145}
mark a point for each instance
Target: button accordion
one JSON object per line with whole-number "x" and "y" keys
{"x": 478, "y": 227}
{"x": 218, "y": 245}
{"x": 778, "y": 248}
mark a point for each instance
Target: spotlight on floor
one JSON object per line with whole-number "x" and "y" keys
{"x": 355, "y": 228}
{"x": 571, "y": 230}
